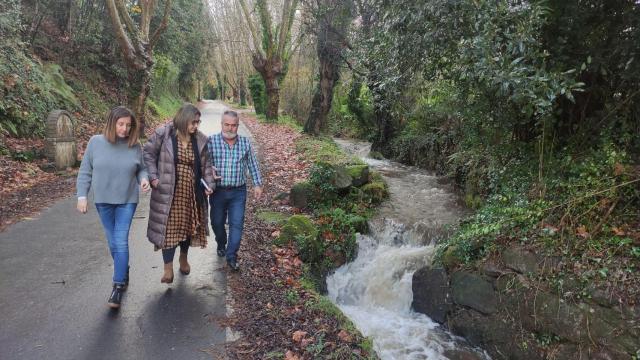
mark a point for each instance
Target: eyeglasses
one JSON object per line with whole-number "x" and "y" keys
{"x": 196, "y": 122}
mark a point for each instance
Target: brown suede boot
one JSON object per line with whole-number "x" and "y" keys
{"x": 167, "y": 277}
{"x": 185, "y": 268}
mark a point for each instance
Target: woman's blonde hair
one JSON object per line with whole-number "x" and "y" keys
{"x": 184, "y": 117}
{"x": 114, "y": 114}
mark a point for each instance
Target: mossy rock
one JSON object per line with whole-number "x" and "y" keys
{"x": 375, "y": 191}
{"x": 272, "y": 217}
{"x": 301, "y": 194}
{"x": 294, "y": 227}
{"x": 359, "y": 174}
{"x": 376, "y": 155}
{"x": 341, "y": 179}
{"x": 375, "y": 176}
{"x": 335, "y": 173}
{"x": 450, "y": 259}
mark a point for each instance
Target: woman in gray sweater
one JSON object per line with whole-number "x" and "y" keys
{"x": 112, "y": 167}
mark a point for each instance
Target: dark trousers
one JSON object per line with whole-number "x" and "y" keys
{"x": 168, "y": 254}
{"x": 228, "y": 204}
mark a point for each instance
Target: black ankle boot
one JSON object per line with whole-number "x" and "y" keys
{"x": 116, "y": 296}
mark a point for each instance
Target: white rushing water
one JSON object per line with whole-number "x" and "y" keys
{"x": 374, "y": 290}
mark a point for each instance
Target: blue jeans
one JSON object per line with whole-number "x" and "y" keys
{"x": 116, "y": 220}
{"x": 228, "y": 204}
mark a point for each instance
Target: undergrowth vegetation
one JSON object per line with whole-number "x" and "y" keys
{"x": 338, "y": 208}
{"x": 532, "y": 113}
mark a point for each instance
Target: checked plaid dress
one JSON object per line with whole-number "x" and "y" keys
{"x": 186, "y": 216}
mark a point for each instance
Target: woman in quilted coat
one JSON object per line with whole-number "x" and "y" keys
{"x": 177, "y": 162}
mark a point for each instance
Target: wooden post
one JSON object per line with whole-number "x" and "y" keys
{"x": 60, "y": 139}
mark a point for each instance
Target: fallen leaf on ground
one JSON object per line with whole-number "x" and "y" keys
{"x": 298, "y": 335}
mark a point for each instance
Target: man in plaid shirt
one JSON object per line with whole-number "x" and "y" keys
{"x": 231, "y": 155}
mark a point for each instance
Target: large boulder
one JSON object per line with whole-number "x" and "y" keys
{"x": 473, "y": 291}
{"x": 431, "y": 293}
{"x": 494, "y": 334}
{"x": 301, "y": 195}
{"x": 341, "y": 178}
{"x": 359, "y": 174}
{"x": 520, "y": 260}
{"x": 296, "y": 226}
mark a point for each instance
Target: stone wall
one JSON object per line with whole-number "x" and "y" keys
{"x": 500, "y": 307}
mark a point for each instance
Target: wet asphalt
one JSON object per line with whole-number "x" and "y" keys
{"x": 56, "y": 278}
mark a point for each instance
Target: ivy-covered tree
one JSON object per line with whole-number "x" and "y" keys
{"x": 272, "y": 47}
{"x": 330, "y": 23}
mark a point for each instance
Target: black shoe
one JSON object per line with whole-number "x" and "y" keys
{"x": 233, "y": 265}
{"x": 221, "y": 252}
{"x": 116, "y": 296}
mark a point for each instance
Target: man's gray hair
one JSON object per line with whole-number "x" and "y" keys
{"x": 231, "y": 113}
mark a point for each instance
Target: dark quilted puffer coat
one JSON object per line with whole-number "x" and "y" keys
{"x": 159, "y": 158}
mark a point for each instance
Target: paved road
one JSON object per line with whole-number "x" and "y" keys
{"x": 56, "y": 278}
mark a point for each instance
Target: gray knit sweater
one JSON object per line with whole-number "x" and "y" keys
{"x": 112, "y": 171}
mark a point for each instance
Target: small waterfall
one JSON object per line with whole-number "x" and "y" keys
{"x": 374, "y": 290}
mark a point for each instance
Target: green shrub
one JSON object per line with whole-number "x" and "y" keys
{"x": 28, "y": 95}
{"x": 338, "y": 230}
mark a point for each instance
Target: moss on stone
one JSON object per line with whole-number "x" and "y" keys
{"x": 294, "y": 227}
{"x": 375, "y": 191}
{"x": 272, "y": 217}
{"x": 359, "y": 174}
{"x": 376, "y": 155}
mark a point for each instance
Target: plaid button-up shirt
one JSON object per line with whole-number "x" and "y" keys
{"x": 232, "y": 162}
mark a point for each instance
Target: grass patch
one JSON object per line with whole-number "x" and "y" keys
{"x": 164, "y": 106}
{"x": 272, "y": 217}
{"x": 323, "y": 149}
{"x": 282, "y": 120}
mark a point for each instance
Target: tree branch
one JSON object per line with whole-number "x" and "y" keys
{"x": 163, "y": 25}
{"x": 265, "y": 22}
{"x": 123, "y": 13}
{"x": 252, "y": 28}
{"x": 127, "y": 48}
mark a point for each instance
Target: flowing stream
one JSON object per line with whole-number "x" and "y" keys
{"x": 374, "y": 290}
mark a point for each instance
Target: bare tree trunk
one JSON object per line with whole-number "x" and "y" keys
{"x": 271, "y": 71}
{"x": 323, "y": 97}
{"x": 273, "y": 96}
{"x": 138, "y": 92}
{"x": 136, "y": 46}
{"x": 271, "y": 51}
